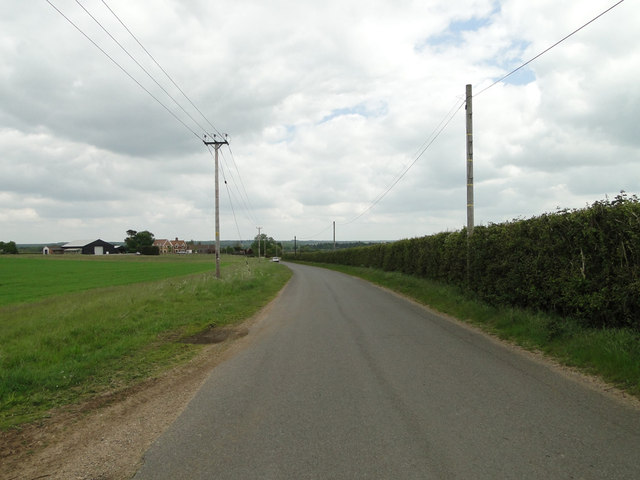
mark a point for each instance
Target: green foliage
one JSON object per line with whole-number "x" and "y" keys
{"x": 136, "y": 241}
{"x": 8, "y": 248}
{"x": 582, "y": 263}
{"x": 149, "y": 250}
{"x": 267, "y": 246}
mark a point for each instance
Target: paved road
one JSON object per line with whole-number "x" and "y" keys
{"x": 345, "y": 381}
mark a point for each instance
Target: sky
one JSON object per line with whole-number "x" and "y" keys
{"x": 346, "y": 111}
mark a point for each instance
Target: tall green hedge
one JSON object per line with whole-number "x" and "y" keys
{"x": 581, "y": 263}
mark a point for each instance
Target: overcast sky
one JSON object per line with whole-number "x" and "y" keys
{"x": 326, "y": 104}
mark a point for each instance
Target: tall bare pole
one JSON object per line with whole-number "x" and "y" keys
{"x": 469, "y": 107}
{"x": 259, "y": 240}
{"x": 334, "y": 235}
{"x": 216, "y": 145}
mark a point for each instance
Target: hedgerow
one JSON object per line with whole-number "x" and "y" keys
{"x": 579, "y": 263}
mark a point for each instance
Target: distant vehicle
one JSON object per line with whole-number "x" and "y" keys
{"x": 275, "y": 259}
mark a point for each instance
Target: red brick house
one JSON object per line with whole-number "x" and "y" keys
{"x": 170, "y": 246}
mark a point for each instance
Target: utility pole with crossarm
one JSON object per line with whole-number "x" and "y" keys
{"x": 216, "y": 145}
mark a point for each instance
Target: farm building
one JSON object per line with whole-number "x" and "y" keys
{"x": 52, "y": 250}
{"x": 89, "y": 247}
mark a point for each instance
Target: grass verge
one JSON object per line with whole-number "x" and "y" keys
{"x": 66, "y": 348}
{"x": 611, "y": 354}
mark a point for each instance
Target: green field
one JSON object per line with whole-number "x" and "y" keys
{"x": 75, "y": 327}
{"x": 25, "y": 278}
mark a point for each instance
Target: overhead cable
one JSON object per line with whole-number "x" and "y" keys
{"x": 141, "y": 67}
{"x": 434, "y": 135}
{"x": 546, "y": 50}
{"x": 233, "y": 211}
{"x": 162, "y": 69}
{"x": 124, "y": 70}
{"x": 244, "y": 199}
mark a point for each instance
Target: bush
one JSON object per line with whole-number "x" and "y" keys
{"x": 582, "y": 263}
{"x": 8, "y": 248}
{"x": 150, "y": 250}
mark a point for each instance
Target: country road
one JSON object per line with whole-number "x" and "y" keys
{"x": 343, "y": 380}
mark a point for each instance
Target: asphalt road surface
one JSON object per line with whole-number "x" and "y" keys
{"x": 343, "y": 380}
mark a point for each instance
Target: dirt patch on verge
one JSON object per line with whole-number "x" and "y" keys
{"x": 215, "y": 334}
{"x": 106, "y": 437}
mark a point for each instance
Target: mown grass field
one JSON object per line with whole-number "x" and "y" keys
{"x": 75, "y": 327}
{"x": 25, "y": 278}
{"x": 612, "y": 354}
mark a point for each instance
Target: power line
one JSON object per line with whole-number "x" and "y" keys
{"x": 163, "y": 70}
{"x": 233, "y": 211}
{"x": 425, "y": 146}
{"x": 444, "y": 123}
{"x": 233, "y": 159}
{"x": 244, "y": 199}
{"x": 311, "y": 237}
{"x": 230, "y": 192}
{"x": 124, "y": 70}
{"x": 447, "y": 119}
{"x": 141, "y": 67}
{"x": 546, "y": 50}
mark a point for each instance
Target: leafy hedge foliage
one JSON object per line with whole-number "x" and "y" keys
{"x": 149, "y": 250}
{"x": 8, "y": 248}
{"x": 582, "y": 263}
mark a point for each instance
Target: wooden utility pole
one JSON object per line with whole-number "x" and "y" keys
{"x": 259, "y": 239}
{"x": 469, "y": 103}
{"x": 216, "y": 145}
{"x": 334, "y": 235}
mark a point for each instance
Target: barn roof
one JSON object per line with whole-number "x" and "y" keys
{"x": 79, "y": 243}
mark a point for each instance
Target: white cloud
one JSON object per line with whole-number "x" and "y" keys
{"x": 325, "y": 104}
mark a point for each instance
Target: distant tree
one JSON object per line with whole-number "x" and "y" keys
{"x": 135, "y": 241}
{"x": 268, "y": 246}
{"x": 8, "y": 248}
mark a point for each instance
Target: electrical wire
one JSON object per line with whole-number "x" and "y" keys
{"x": 229, "y": 192}
{"x": 123, "y": 69}
{"x": 233, "y": 211}
{"x": 546, "y": 50}
{"x": 162, "y": 69}
{"x": 444, "y": 123}
{"x": 315, "y": 235}
{"x": 212, "y": 153}
{"x": 233, "y": 159}
{"x": 242, "y": 192}
{"x": 447, "y": 119}
{"x": 141, "y": 66}
{"x": 425, "y": 146}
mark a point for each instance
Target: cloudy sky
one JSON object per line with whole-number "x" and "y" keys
{"x": 334, "y": 109}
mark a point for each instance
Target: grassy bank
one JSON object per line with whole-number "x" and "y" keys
{"x": 612, "y": 354}
{"x": 69, "y": 346}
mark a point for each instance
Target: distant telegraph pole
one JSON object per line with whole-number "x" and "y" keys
{"x": 259, "y": 238}
{"x": 216, "y": 145}
{"x": 469, "y": 105}
{"x": 334, "y": 235}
